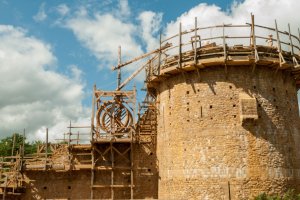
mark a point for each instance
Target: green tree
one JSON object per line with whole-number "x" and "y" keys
{"x": 289, "y": 195}
{"x": 6, "y": 145}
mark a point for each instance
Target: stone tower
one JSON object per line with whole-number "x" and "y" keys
{"x": 228, "y": 116}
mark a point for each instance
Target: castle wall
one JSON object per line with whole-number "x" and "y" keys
{"x": 76, "y": 184}
{"x": 206, "y": 150}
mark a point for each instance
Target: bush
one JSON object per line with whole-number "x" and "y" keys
{"x": 289, "y": 195}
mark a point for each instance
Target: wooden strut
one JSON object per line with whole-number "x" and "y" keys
{"x": 93, "y": 114}
{"x": 112, "y": 171}
{"x": 179, "y": 47}
{"x": 46, "y": 149}
{"x": 167, "y": 45}
{"x": 131, "y": 168}
{"x": 295, "y": 62}
{"x": 119, "y": 63}
{"x": 13, "y": 147}
{"x": 132, "y": 76}
{"x": 281, "y": 59}
{"x": 256, "y": 57}
{"x": 195, "y": 49}
{"x": 159, "y": 56}
{"x": 225, "y": 50}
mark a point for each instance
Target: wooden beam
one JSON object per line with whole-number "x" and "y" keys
{"x": 93, "y": 114}
{"x": 132, "y": 76}
{"x": 13, "y": 146}
{"x": 112, "y": 93}
{"x": 142, "y": 56}
{"x": 159, "y": 56}
{"x": 119, "y": 63}
{"x": 195, "y": 49}
{"x": 46, "y": 149}
{"x": 291, "y": 41}
{"x": 179, "y": 48}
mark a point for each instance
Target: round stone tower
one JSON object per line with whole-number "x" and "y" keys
{"x": 228, "y": 116}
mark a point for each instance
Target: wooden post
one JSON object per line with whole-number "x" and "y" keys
{"x": 179, "y": 47}
{"x": 134, "y": 103}
{"x": 119, "y": 69}
{"x": 291, "y": 41}
{"x": 281, "y": 59}
{"x": 13, "y": 147}
{"x": 131, "y": 169}
{"x": 253, "y": 42}
{"x": 229, "y": 193}
{"x": 23, "y": 144}
{"x": 69, "y": 139}
{"x": 112, "y": 120}
{"x": 195, "y": 49}
{"x": 46, "y": 149}
{"x": 277, "y": 37}
{"x": 93, "y": 114}
{"x": 224, "y": 49}
{"x": 77, "y": 137}
{"x": 22, "y": 151}
{"x": 299, "y": 35}
{"x": 159, "y": 56}
{"x": 4, "y": 192}
{"x": 92, "y": 172}
{"x": 112, "y": 170}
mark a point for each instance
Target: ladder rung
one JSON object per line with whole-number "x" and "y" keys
{"x": 114, "y": 186}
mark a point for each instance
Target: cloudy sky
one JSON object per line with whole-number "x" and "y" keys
{"x": 52, "y": 52}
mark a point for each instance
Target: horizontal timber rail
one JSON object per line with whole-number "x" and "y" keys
{"x": 224, "y": 45}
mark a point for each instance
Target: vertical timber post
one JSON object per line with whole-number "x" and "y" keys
{"x": 69, "y": 135}
{"x": 195, "y": 49}
{"x": 46, "y": 149}
{"x": 253, "y": 42}
{"x": 23, "y": 143}
{"x": 93, "y": 114}
{"x": 23, "y": 150}
{"x": 224, "y": 49}
{"x": 92, "y": 142}
{"x": 13, "y": 147}
{"x": 112, "y": 170}
{"x": 299, "y": 35}
{"x": 131, "y": 168}
{"x": 92, "y": 171}
{"x": 281, "y": 59}
{"x": 179, "y": 47}
{"x": 77, "y": 137}
{"x": 159, "y": 56}
{"x": 291, "y": 41}
{"x": 119, "y": 68}
{"x": 69, "y": 144}
{"x": 295, "y": 62}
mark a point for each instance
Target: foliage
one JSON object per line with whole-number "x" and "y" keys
{"x": 6, "y": 145}
{"x": 289, "y": 195}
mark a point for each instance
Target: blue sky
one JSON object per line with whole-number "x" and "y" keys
{"x": 54, "y": 51}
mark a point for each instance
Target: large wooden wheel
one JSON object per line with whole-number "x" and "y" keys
{"x": 114, "y": 117}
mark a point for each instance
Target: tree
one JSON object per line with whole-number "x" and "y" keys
{"x": 6, "y": 145}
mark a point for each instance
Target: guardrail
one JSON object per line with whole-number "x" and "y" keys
{"x": 249, "y": 35}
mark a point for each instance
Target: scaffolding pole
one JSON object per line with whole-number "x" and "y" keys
{"x": 112, "y": 170}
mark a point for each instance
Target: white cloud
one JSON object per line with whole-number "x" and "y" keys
{"x": 150, "y": 25}
{"x": 41, "y": 15}
{"x": 32, "y": 94}
{"x": 76, "y": 73}
{"x": 103, "y": 33}
{"x": 63, "y": 9}
{"x": 265, "y": 11}
{"x": 124, "y": 8}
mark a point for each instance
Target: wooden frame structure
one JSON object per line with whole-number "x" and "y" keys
{"x": 113, "y": 141}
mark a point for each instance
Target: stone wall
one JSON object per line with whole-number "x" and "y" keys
{"x": 207, "y": 150}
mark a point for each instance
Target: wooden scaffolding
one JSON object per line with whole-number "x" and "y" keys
{"x": 112, "y": 139}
